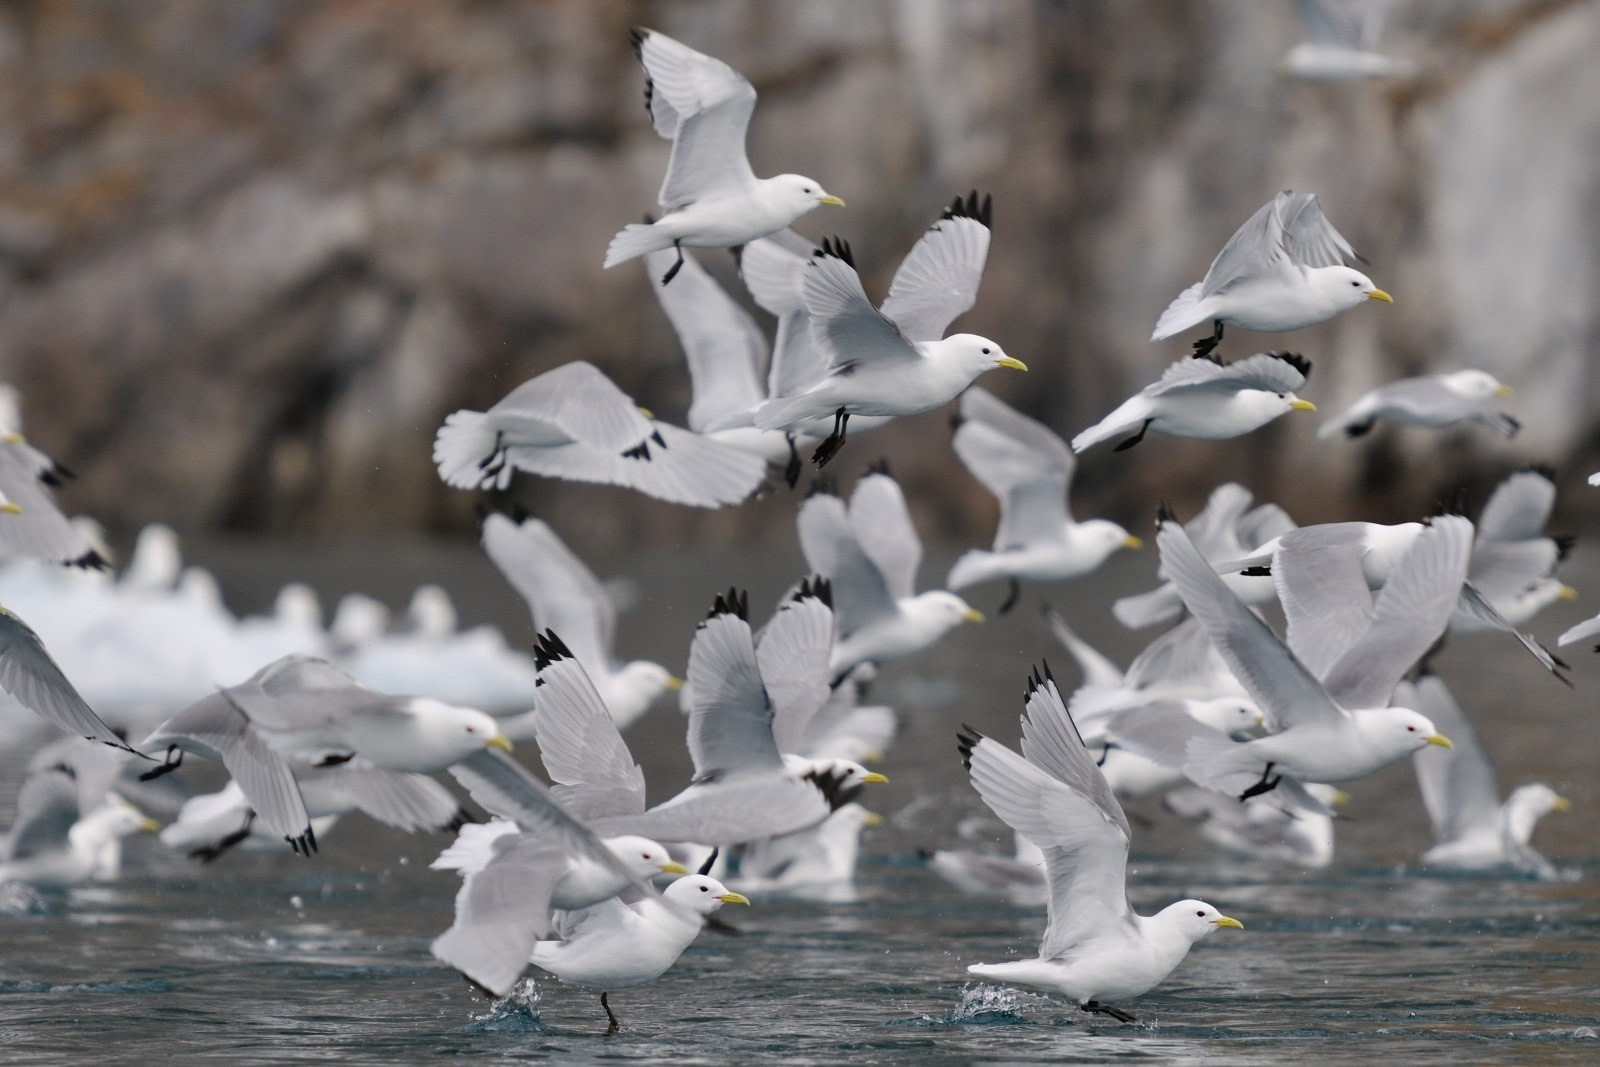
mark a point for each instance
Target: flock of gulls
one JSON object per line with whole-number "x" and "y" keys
{"x": 1248, "y": 733}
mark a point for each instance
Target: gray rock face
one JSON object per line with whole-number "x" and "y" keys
{"x": 251, "y": 253}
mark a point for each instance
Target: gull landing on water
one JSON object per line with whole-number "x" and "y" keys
{"x": 710, "y": 196}
{"x": 1284, "y": 269}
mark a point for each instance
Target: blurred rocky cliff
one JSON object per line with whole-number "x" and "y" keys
{"x": 253, "y": 251}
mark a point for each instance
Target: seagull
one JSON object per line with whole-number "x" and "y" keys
{"x": 59, "y": 839}
{"x": 1262, "y": 827}
{"x": 1342, "y": 40}
{"x": 893, "y": 361}
{"x": 565, "y": 596}
{"x": 616, "y": 945}
{"x": 31, "y": 525}
{"x": 1328, "y": 698}
{"x": 1283, "y": 270}
{"x": 1225, "y": 529}
{"x": 870, "y": 552}
{"x": 1095, "y": 946}
{"x": 1471, "y": 828}
{"x": 1434, "y": 401}
{"x": 743, "y": 788}
{"x": 710, "y": 196}
{"x": 303, "y": 706}
{"x": 31, "y": 676}
{"x": 1204, "y": 398}
{"x": 1030, "y": 470}
{"x": 574, "y": 423}
{"x": 814, "y": 864}
{"x": 1018, "y": 879}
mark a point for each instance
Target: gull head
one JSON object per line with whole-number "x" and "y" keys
{"x": 1346, "y": 288}
{"x": 113, "y": 819}
{"x": 847, "y": 773}
{"x": 974, "y": 355}
{"x": 702, "y": 893}
{"x": 438, "y": 736}
{"x": 643, "y": 681}
{"x": 1474, "y": 384}
{"x": 1538, "y": 799}
{"x": 1259, "y": 406}
{"x": 643, "y": 857}
{"x": 1399, "y": 730}
{"x": 800, "y": 194}
{"x": 1231, "y": 715}
{"x": 1194, "y": 919}
{"x": 1101, "y": 537}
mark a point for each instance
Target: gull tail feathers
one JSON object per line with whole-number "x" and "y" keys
{"x": 634, "y": 240}
{"x": 975, "y": 565}
{"x": 781, "y": 412}
{"x": 1221, "y": 764}
{"x": 465, "y": 448}
{"x": 485, "y": 954}
{"x": 1181, "y": 314}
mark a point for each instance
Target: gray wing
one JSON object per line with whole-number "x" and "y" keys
{"x": 702, "y": 105}
{"x": 1215, "y": 530}
{"x": 730, "y": 811}
{"x": 1028, "y": 468}
{"x": 774, "y": 269}
{"x": 502, "y": 910}
{"x": 1458, "y": 783}
{"x": 938, "y": 280}
{"x": 1277, "y": 681}
{"x": 47, "y": 808}
{"x": 1160, "y": 732}
{"x": 1320, "y": 581}
{"x": 581, "y": 401}
{"x": 1518, "y": 508}
{"x": 217, "y": 724}
{"x": 1097, "y": 669}
{"x": 725, "y": 349}
{"x": 672, "y": 464}
{"x": 1413, "y": 609}
{"x": 1474, "y": 603}
{"x": 583, "y": 751}
{"x": 1086, "y": 854}
{"x": 414, "y": 803}
{"x": 847, "y": 329}
{"x": 860, "y": 594}
{"x": 1260, "y": 525}
{"x": 793, "y": 658}
{"x": 1265, "y": 371}
{"x": 730, "y": 717}
{"x": 563, "y": 594}
{"x": 97, "y": 769}
{"x": 881, "y": 523}
{"x": 1181, "y": 653}
{"x": 1051, "y": 741}
{"x": 30, "y": 675}
{"x": 1309, "y": 238}
{"x": 1255, "y": 249}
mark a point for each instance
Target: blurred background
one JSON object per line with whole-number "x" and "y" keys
{"x": 252, "y": 252}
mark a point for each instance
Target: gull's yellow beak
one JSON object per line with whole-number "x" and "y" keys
{"x": 1561, "y": 804}
{"x": 10, "y": 509}
{"x": 735, "y": 898}
{"x": 1441, "y": 740}
{"x": 1132, "y": 542}
{"x": 1302, "y": 405}
{"x": 1503, "y": 390}
{"x": 972, "y": 615}
{"x": 1379, "y": 294}
{"x": 674, "y": 683}
{"x": 500, "y": 741}
{"x": 1567, "y": 593}
{"x": 1232, "y": 924}
{"x": 673, "y": 867}
{"x": 1014, "y": 364}
{"x": 646, "y": 412}
{"x": 871, "y": 818}
{"x": 831, "y": 201}
{"x": 14, "y": 439}
{"x": 1340, "y": 798}
{"x": 875, "y": 778}
{"x": 149, "y": 825}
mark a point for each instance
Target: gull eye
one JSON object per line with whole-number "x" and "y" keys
{"x": 472, "y": 729}
{"x": 1411, "y": 729}
{"x": 1283, "y": 396}
{"x": 705, "y": 889}
{"x": 1356, "y": 284}
{"x": 986, "y": 351}
{"x": 1200, "y": 915}
{"x": 807, "y": 189}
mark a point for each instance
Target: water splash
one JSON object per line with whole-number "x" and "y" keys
{"x": 517, "y": 1012}
{"x": 990, "y": 1005}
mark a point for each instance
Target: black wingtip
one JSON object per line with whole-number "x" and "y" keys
{"x": 711, "y": 861}
{"x": 967, "y": 739}
{"x": 880, "y": 466}
{"x": 1457, "y": 501}
{"x": 548, "y": 649}
{"x": 972, "y": 207}
{"x": 1164, "y": 513}
{"x": 837, "y": 248}
{"x": 817, "y": 586}
{"x": 1564, "y": 543}
{"x": 90, "y": 561}
{"x": 822, "y": 485}
{"x": 1295, "y": 360}
{"x": 520, "y": 514}
{"x": 733, "y": 602}
{"x": 636, "y": 37}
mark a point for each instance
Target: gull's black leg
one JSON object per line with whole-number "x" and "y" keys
{"x": 1136, "y": 438}
{"x": 672, "y": 271}
{"x": 1011, "y": 597}
{"x": 615, "y": 1026}
{"x": 1204, "y": 347}
{"x": 1097, "y": 1008}
{"x": 1266, "y": 785}
{"x": 210, "y": 852}
{"x": 791, "y": 473}
{"x": 834, "y": 441}
{"x": 168, "y": 765}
